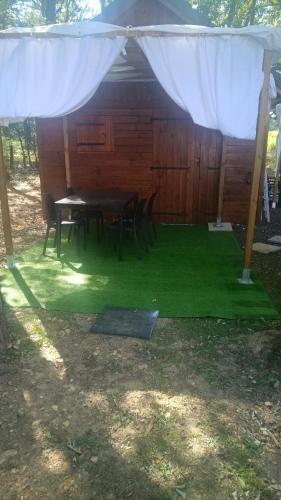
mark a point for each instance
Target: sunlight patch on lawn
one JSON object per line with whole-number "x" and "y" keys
{"x": 74, "y": 279}
{"x": 54, "y": 461}
{"x": 94, "y": 282}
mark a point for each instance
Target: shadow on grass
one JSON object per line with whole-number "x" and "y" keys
{"x": 30, "y": 297}
{"x": 205, "y": 284}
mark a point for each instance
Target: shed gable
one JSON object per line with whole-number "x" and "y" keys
{"x": 149, "y": 12}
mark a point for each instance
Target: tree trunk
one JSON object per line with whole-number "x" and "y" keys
{"x": 27, "y": 139}
{"x": 48, "y": 9}
{"x": 22, "y": 147}
{"x": 250, "y": 18}
{"x": 4, "y": 337}
{"x": 34, "y": 140}
{"x": 231, "y": 13}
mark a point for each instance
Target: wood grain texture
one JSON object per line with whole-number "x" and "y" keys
{"x": 262, "y": 130}
{"x": 154, "y": 145}
{"x": 238, "y": 161}
{"x": 5, "y": 211}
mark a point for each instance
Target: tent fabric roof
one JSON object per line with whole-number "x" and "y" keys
{"x": 268, "y": 36}
{"x": 77, "y": 29}
{"x": 42, "y": 68}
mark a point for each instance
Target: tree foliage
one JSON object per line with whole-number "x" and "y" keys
{"x": 38, "y": 12}
{"x": 105, "y": 3}
{"x": 220, "y": 12}
{"x": 238, "y": 13}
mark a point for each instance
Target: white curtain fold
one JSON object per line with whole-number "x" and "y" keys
{"x": 52, "y": 77}
{"x": 216, "y": 79}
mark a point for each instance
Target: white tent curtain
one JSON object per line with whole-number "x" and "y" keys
{"x": 216, "y": 79}
{"x": 215, "y": 74}
{"x": 52, "y": 77}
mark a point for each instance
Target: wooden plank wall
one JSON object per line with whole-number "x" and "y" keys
{"x": 132, "y": 113}
{"x": 126, "y": 165}
{"x": 51, "y": 156}
{"x": 132, "y": 107}
{"x": 238, "y": 159}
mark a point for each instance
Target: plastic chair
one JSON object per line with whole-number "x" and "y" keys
{"x": 134, "y": 226}
{"x": 52, "y": 223}
{"x": 149, "y": 219}
{"x": 88, "y": 214}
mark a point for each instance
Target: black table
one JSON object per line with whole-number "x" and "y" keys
{"x": 102, "y": 201}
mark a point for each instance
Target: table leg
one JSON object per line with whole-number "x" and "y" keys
{"x": 58, "y": 230}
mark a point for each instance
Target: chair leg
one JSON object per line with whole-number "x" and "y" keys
{"x": 85, "y": 235}
{"x": 120, "y": 240}
{"x": 69, "y": 233}
{"x": 78, "y": 238}
{"x": 108, "y": 238}
{"x": 154, "y": 228}
{"x": 105, "y": 242}
{"x": 98, "y": 227}
{"x": 137, "y": 245}
{"x": 46, "y": 239}
{"x": 101, "y": 225}
{"x": 145, "y": 238}
{"x": 149, "y": 232}
{"x": 88, "y": 223}
{"x": 55, "y": 238}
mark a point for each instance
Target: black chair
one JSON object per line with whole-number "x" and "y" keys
{"x": 148, "y": 216}
{"x": 88, "y": 214}
{"x": 134, "y": 226}
{"x": 71, "y": 223}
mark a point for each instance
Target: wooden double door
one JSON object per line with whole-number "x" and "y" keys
{"x": 186, "y": 167}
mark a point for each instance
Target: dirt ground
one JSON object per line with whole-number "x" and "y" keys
{"x": 195, "y": 413}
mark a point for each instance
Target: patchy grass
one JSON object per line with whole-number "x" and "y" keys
{"x": 172, "y": 418}
{"x": 193, "y": 413}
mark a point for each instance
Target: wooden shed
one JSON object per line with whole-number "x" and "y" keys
{"x": 132, "y": 137}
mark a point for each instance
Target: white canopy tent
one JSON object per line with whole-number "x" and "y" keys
{"x": 215, "y": 74}
{"x": 218, "y": 75}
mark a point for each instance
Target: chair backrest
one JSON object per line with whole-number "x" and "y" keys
{"x": 150, "y": 203}
{"x": 139, "y": 211}
{"x": 49, "y": 205}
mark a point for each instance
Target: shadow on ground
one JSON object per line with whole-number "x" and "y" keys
{"x": 93, "y": 417}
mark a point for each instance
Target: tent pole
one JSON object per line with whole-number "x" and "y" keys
{"x": 6, "y": 220}
{"x": 66, "y": 152}
{"x": 262, "y": 125}
{"x": 221, "y": 186}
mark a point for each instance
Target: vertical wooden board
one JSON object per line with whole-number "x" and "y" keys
{"x": 210, "y": 155}
{"x": 51, "y": 156}
{"x": 55, "y": 181}
{"x": 238, "y": 159}
{"x": 173, "y": 166}
{"x": 148, "y": 130}
{"x": 50, "y": 134}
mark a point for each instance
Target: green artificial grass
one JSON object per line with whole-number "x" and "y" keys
{"x": 189, "y": 272}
